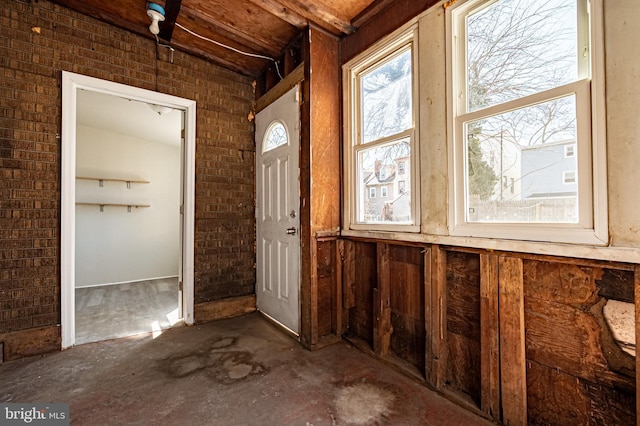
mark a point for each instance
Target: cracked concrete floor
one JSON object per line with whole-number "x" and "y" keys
{"x": 241, "y": 371}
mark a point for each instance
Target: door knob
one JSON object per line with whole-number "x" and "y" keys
{"x": 291, "y": 231}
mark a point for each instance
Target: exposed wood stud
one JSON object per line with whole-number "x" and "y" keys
{"x": 489, "y": 337}
{"x": 512, "y": 341}
{"x": 437, "y": 362}
{"x": 382, "y": 303}
{"x": 172, "y": 9}
{"x": 286, "y": 84}
{"x": 428, "y": 323}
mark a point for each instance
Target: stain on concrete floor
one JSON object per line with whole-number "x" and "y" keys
{"x": 241, "y": 371}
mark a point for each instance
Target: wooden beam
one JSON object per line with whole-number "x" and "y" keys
{"x": 637, "y": 310}
{"x": 320, "y": 16}
{"x": 382, "y": 303}
{"x": 489, "y": 336}
{"x": 286, "y": 84}
{"x": 171, "y": 9}
{"x": 512, "y": 341}
{"x": 338, "y": 307}
{"x": 372, "y": 10}
{"x": 275, "y": 8}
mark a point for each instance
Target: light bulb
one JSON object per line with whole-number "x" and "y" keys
{"x": 156, "y": 13}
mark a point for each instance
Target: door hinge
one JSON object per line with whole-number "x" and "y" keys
{"x": 180, "y": 286}
{"x": 182, "y": 133}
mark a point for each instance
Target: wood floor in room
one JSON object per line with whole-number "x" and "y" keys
{"x": 120, "y": 310}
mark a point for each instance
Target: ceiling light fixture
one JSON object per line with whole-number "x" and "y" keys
{"x": 156, "y": 13}
{"x": 160, "y": 109}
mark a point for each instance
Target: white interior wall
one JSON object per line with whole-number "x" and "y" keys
{"x": 116, "y": 245}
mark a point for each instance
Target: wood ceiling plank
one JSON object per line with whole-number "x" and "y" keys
{"x": 113, "y": 12}
{"x": 217, "y": 27}
{"x": 372, "y": 10}
{"x": 243, "y": 64}
{"x": 261, "y": 30}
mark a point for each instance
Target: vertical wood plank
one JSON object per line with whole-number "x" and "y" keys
{"x": 637, "y": 310}
{"x": 437, "y": 363}
{"x": 428, "y": 352}
{"x": 338, "y": 288}
{"x": 512, "y": 341}
{"x": 313, "y": 293}
{"x": 489, "y": 336}
{"x": 382, "y": 300}
{"x": 349, "y": 275}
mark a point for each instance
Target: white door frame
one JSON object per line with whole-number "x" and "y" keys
{"x": 71, "y": 83}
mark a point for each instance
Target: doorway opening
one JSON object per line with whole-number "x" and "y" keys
{"x": 127, "y": 210}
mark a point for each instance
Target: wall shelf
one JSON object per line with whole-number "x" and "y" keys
{"x": 102, "y": 180}
{"x": 103, "y": 205}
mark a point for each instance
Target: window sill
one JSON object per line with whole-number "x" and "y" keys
{"x": 607, "y": 253}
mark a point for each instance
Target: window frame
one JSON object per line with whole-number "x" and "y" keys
{"x": 383, "y": 191}
{"x": 590, "y": 147}
{"x": 393, "y": 45}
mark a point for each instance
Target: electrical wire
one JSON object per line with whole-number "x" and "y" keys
{"x": 253, "y": 55}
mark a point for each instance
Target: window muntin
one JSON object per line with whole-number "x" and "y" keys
{"x": 380, "y": 130}
{"x": 561, "y": 78}
{"x": 275, "y": 136}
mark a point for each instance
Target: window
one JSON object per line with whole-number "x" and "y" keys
{"x": 275, "y": 136}
{"x": 372, "y": 193}
{"x": 568, "y": 177}
{"x": 569, "y": 151}
{"x": 380, "y": 133}
{"x": 401, "y": 187}
{"x": 525, "y": 106}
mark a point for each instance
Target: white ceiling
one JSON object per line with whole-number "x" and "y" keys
{"x": 126, "y": 117}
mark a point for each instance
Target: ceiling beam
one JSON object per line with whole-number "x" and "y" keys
{"x": 171, "y": 9}
{"x": 275, "y": 8}
{"x": 245, "y": 40}
{"x": 373, "y": 9}
{"x": 320, "y": 16}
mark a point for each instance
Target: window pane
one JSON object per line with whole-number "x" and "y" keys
{"x": 516, "y": 168}
{"x": 377, "y": 168}
{"x": 275, "y": 136}
{"x": 386, "y": 98}
{"x": 517, "y": 48}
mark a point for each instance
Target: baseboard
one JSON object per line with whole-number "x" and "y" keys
{"x": 29, "y": 342}
{"x": 225, "y": 308}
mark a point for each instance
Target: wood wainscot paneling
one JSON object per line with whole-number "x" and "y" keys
{"x": 576, "y": 372}
{"x": 463, "y": 325}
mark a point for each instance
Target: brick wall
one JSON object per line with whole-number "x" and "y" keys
{"x": 30, "y": 115}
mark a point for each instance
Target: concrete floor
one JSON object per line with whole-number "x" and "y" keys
{"x": 241, "y": 371}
